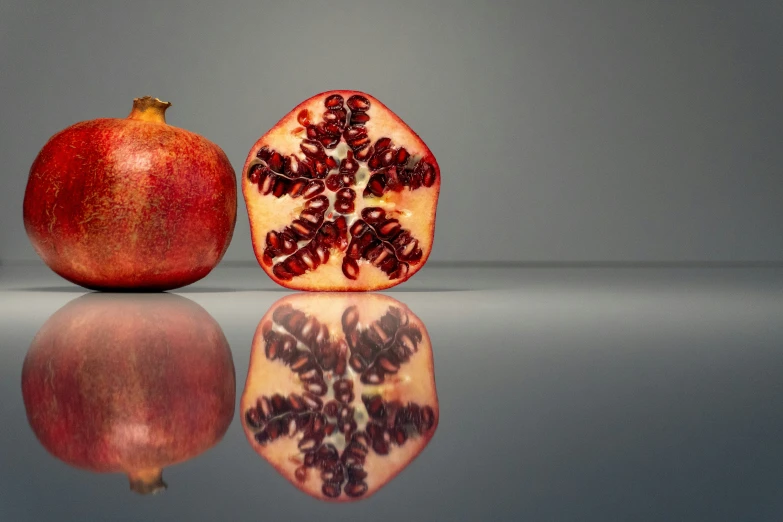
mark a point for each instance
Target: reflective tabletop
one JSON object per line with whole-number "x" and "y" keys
{"x": 554, "y": 394}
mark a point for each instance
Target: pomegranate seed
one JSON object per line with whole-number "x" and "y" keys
{"x": 427, "y": 419}
{"x": 272, "y": 240}
{"x": 312, "y": 149}
{"x": 401, "y": 272}
{"x": 303, "y": 117}
{"x": 373, "y": 214}
{"x": 344, "y": 207}
{"x": 358, "y": 144}
{"x": 335, "y": 116}
{"x": 281, "y": 273}
{"x": 319, "y": 202}
{"x": 329, "y": 142}
{"x": 331, "y": 489}
{"x": 346, "y": 194}
{"x": 355, "y": 489}
{"x": 293, "y": 166}
{"x": 354, "y": 132}
{"x": 312, "y": 216}
{"x": 363, "y": 154}
{"x": 297, "y": 187}
{"x": 287, "y": 244}
{"x": 276, "y": 162}
{"x": 334, "y": 101}
{"x": 387, "y": 364}
{"x": 280, "y": 187}
{"x": 333, "y": 130}
{"x": 357, "y": 102}
{"x": 382, "y": 144}
{"x": 296, "y": 402}
{"x": 333, "y": 182}
{"x": 375, "y": 186}
{"x": 313, "y": 188}
{"x": 267, "y": 181}
{"x": 388, "y": 157}
{"x": 313, "y": 402}
{"x": 348, "y": 164}
{"x": 294, "y": 265}
{"x": 350, "y": 268}
{"x": 320, "y": 169}
{"x": 390, "y": 228}
{"x": 359, "y": 118}
{"x": 301, "y": 229}
{"x": 359, "y": 228}
{"x": 254, "y": 173}
{"x": 354, "y": 251}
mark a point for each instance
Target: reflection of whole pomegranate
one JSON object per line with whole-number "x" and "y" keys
{"x": 129, "y": 384}
{"x": 131, "y": 203}
{"x": 340, "y": 394}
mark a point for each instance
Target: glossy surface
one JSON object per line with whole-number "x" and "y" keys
{"x": 565, "y": 394}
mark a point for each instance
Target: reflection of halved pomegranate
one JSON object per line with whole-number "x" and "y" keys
{"x": 340, "y": 395}
{"x": 341, "y": 195}
{"x": 129, "y": 384}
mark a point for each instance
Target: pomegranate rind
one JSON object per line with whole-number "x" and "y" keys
{"x": 123, "y": 204}
{"x": 416, "y": 382}
{"x": 415, "y": 209}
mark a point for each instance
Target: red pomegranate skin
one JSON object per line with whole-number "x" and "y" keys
{"x": 131, "y": 204}
{"x": 129, "y": 383}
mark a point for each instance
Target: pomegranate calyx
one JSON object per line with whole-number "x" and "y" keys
{"x": 147, "y": 481}
{"x": 149, "y": 109}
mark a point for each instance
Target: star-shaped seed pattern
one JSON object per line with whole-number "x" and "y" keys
{"x": 329, "y": 221}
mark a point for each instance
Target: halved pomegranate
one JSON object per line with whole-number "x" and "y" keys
{"x": 341, "y": 195}
{"x": 340, "y": 394}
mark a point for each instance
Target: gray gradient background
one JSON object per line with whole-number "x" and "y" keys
{"x": 566, "y": 131}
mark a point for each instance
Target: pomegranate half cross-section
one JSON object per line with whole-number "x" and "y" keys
{"x": 340, "y": 394}
{"x": 341, "y": 195}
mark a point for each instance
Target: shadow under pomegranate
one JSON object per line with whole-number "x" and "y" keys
{"x": 340, "y": 395}
{"x": 129, "y": 384}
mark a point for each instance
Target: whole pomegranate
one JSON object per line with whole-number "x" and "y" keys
{"x": 129, "y": 383}
{"x": 341, "y": 196}
{"x": 340, "y": 394}
{"x": 131, "y": 204}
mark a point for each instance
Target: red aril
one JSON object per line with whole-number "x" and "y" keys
{"x": 130, "y": 204}
{"x": 348, "y": 188}
{"x": 129, "y": 384}
{"x": 340, "y": 394}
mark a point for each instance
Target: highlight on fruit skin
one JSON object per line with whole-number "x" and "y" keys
{"x": 340, "y": 394}
{"x": 130, "y": 203}
{"x": 123, "y": 383}
{"x": 341, "y": 196}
